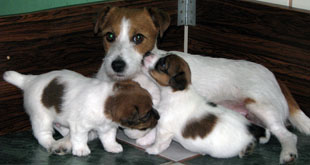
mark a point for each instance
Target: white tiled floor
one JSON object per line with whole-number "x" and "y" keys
{"x": 175, "y": 152}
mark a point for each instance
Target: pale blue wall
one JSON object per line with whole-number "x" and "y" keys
{"x": 9, "y": 7}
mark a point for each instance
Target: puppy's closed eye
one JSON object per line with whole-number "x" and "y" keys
{"x": 145, "y": 117}
{"x": 162, "y": 65}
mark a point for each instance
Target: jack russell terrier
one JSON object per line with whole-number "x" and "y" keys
{"x": 130, "y": 34}
{"x": 82, "y": 105}
{"x": 187, "y": 117}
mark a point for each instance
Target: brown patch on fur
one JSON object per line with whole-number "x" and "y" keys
{"x": 172, "y": 71}
{"x": 292, "y": 104}
{"x": 141, "y": 22}
{"x": 249, "y": 101}
{"x": 200, "y": 128}
{"x": 131, "y": 106}
{"x": 52, "y": 95}
{"x": 162, "y": 79}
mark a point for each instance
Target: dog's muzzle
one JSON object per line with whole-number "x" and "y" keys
{"x": 118, "y": 65}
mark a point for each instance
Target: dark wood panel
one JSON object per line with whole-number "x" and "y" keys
{"x": 277, "y": 38}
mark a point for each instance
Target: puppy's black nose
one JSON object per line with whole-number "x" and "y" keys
{"x": 118, "y": 65}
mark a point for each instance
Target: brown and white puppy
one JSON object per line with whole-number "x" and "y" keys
{"x": 82, "y": 105}
{"x": 129, "y": 34}
{"x": 234, "y": 83}
{"x": 198, "y": 125}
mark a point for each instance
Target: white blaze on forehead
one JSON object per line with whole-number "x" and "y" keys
{"x": 124, "y": 31}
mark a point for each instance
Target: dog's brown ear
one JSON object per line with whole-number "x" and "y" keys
{"x": 179, "y": 81}
{"x": 100, "y": 19}
{"x": 160, "y": 18}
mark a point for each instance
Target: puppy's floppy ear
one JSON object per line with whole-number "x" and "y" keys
{"x": 100, "y": 19}
{"x": 178, "y": 81}
{"x": 160, "y": 18}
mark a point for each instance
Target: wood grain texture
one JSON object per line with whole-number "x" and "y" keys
{"x": 63, "y": 38}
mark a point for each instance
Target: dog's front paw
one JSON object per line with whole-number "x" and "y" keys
{"x": 288, "y": 157}
{"x": 61, "y": 147}
{"x": 144, "y": 141}
{"x": 114, "y": 148}
{"x": 248, "y": 150}
{"x": 152, "y": 150}
{"x": 134, "y": 133}
{"x": 81, "y": 151}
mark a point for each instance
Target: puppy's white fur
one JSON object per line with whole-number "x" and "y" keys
{"x": 82, "y": 109}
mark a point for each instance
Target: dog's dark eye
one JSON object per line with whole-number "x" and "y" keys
{"x": 110, "y": 36}
{"x": 138, "y": 38}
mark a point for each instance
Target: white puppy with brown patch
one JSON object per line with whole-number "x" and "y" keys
{"x": 129, "y": 34}
{"x": 198, "y": 125}
{"x": 83, "y": 105}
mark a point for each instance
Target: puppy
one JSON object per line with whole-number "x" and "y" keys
{"x": 129, "y": 34}
{"x": 82, "y": 105}
{"x": 198, "y": 125}
{"x": 230, "y": 82}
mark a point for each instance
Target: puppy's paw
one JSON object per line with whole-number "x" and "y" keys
{"x": 248, "y": 150}
{"x": 152, "y": 150}
{"x": 81, "y": 151}
{"x": 134, "y": 133}
{"x": 114, "y": 148}
{"x": 287, "y": 157}
{"x": 145, "y": 141}
{"x": 61, "y": 147}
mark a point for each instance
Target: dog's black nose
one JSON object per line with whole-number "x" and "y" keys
{"x": 118, "y": 65}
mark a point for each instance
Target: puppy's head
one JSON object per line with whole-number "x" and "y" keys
{"x": 172, "y": 71}
{"x": 131, "y": 106}
{"x": 128, "y": 34}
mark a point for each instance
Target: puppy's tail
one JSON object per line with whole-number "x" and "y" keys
{"x": 15, "y": 78}
{"x": 297, "y": 117}
{"x": 261, "y": 134}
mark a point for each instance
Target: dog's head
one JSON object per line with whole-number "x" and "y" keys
{"x": 128, "y": 34}
{"x": 131, "y": 106}
{"x": 170, "y": 70}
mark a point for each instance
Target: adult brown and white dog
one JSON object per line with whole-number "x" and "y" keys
{"x": 82, "y": 105}
{"x": 129, "y": 34}
{"x": 188, "y": 118}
